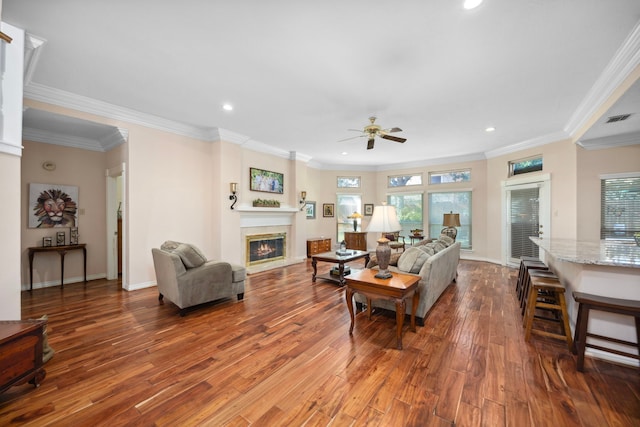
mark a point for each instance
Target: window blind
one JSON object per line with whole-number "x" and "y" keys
{"x": 525, "y": 221}
{"x": 619, "y": 208}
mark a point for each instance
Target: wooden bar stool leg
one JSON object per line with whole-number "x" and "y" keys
{"x": 581, "y": 333}
{"x": 565, "y": 319}
{"x": 531, "y": 311}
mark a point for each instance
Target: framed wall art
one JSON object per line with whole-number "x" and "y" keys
{"x": 368, "y": 209}
{"x": 266, "y": 181}
{"x": 327, "y": 210}
{"x": 61, "y": 238}
{"x": 310, "y": 209}
{"x": 52, "y": 205}
{"x": 73, "y": 236}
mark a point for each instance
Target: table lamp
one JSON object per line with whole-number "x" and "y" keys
{"x": 384, "y": 220}
{"x": 355, "y": 217}
{"x": 450, "y": 222}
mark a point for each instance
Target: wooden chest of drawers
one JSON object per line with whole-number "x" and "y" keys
{"x": 21, "y": 352}
{"x": 356, "y": 240}
{"x": 318, "y": 245}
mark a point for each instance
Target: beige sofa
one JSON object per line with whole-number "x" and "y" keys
{"x": 186, "y": 278}
{"x": 437, "y": 272}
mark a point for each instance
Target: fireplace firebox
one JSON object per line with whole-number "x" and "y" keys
{"x": 263, "y": 248}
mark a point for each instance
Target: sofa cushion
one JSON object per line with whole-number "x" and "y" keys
{"x": 412, "y": 259}
{"x": 438, "y": 246}
{"x": 423, "y": 242}
{"x": 190, "y": 255}
{"x": 238, "y": 273}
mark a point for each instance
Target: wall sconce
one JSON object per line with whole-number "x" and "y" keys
{"x": 234, "y": 189}
{"x": 303, "y": 199}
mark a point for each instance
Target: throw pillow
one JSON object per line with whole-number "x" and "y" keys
{"x": 170, "y": 246}
{"x": 190, "y": 255}
{"x": 438, "y": 246}
{"x": 447, "y": 240}
{"x": 423, "y": 242}
{"x": 427, "y": 249}
{"x": 373, "y": 260}
{"x": 411, "y": 260}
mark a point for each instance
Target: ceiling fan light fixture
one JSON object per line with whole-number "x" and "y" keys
{"x": 471, "y": 4}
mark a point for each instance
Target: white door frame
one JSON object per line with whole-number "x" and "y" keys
{"x": 543, "y": 182}
{"x": 112, "y": 223}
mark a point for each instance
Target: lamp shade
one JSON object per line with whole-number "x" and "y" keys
{"x": 384, "y": 219}
{"x": 451, "y": 219}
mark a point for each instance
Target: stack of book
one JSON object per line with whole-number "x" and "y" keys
{"x": 340, "y": 252}
{"x": 335, "y": 271}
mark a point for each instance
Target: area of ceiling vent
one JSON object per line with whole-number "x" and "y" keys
{"x": 618, "y": 118}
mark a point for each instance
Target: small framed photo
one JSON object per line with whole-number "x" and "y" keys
{"x": 368, "y": 209}
{"x": 46, "y": 242}
{"x": 327, "y": 210}
{"x": 60, "y": 238}
{"x": 310, "y": 209}
{"x": 73, "y": 236}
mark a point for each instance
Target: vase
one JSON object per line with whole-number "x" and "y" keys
{"x": 355, "y": 225}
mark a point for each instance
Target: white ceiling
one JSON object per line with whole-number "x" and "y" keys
{"x": 300, "y": 75}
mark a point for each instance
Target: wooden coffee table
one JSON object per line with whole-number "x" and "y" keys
{"x": 397, "y": 288}
{"x": 336, "y": 259}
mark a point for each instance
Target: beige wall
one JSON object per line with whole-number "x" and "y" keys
{"x": 74, "y": 167}
{"x": 593, "y": 164}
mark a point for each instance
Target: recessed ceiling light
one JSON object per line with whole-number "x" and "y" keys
{"x": 490, "y": 129}
{"x": 344, "y": 153}
{"x": 227, "y": 107}
{"x": 471, "y": 4}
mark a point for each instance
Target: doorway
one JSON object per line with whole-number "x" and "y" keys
{"x": 116, "y": 225}
{"x": 526, "y": 213}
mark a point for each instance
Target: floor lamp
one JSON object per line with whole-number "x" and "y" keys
{"x": 384, "y": 220}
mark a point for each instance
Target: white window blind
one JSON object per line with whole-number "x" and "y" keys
{"x": 620, "y": 208}
{"x": 524, "y": 221}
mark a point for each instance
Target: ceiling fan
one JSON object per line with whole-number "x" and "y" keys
{"x": 372, "y": 130}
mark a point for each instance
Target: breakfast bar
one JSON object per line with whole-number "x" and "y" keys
{"x": 605, "y": 268}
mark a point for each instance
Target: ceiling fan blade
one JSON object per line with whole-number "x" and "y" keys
{"x": 394, "y": 138}
{"x": 393, "y": 130}
{"x": 370, "y": 143}
{"x": 351, "y": 137}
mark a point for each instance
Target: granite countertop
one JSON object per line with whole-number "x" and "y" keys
{"x": 599, "y": 253}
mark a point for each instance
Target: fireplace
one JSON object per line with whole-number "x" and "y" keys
{"x": 262, "y": 248}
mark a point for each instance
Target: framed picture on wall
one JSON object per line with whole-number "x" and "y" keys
{"x": 267, "y": 181}
{"x": 52, "y": 205}
{"x": 310, "y": 209}
{"x": 368, "y": 209}
{"x": 327, "y": 210}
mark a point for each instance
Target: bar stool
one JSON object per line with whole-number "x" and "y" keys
{"x": 588, "y": 302}
{"x": 527, "y": 284}
{"x": 526, "y": 262}
{"x": 547, "y": 293}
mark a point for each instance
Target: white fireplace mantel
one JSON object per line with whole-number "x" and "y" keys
{"x": 263, "y": 217}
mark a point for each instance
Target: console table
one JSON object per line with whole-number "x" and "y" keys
{"x": 21, "y": 344}
{"x": 62, "y": 251}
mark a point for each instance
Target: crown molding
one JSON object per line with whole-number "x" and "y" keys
{"x": 117, "y": 137}
{"x": 42, "y": 93}
{"x": 48, "y": 137}
{"x": 530, "y": 143}
{"x": 625, "y": 60}
{"x": 631, "y": 138}
{"x": 33, "y": 46}
{"x": 12, "y": 149}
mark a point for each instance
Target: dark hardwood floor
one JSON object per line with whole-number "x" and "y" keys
{"x": 284, "y": 357}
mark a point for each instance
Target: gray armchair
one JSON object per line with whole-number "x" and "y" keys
{"x": 186, "y": 278}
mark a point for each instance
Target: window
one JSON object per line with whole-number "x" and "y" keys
{"x": 409, "y": 210}
{"x": 346, "y": 205}
{"x": 531, "y": 164}
{"x": 348, "y": 182}
{"x": 620, "y": 207}
{"x": 404, "y": 180}
{"x": 456, "y": 202}
{"x": 446, "y": 177}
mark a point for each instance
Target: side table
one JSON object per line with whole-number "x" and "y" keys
{"x": 397, "y": 288}
{"x": 62, "y": 251}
